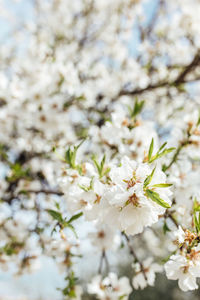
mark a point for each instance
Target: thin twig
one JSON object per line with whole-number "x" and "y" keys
{"x": 101, "y": 262}
{"x": 44, "y": 191}
{"x": 132, "y": 252}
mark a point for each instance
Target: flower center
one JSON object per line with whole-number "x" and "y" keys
{"x": 101, "y": 234}
{"x": 133, "y": 199}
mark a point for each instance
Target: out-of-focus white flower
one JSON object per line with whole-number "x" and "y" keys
{"x": 104, "y": 237}
{"x": 110, "y": 287}
{"x": 147, "y": 276}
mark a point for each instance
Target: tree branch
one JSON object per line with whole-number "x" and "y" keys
{"x": 181, "y": 79}
{"x": 132, "y": 252}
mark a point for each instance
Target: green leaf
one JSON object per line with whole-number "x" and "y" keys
{"x": 18, "y": 172}
{"x": 24, "y": 192}
{"x": 199, "y": 221}
{"x": 156, "y": 198}
{"x": 165, "y": 228}
{"x": 55, "y": 215}
{"x": 196, "y": 211}
{"x": 72, "y": 229}
{"x": 72, "y": 294}
{"x": 69, "y": 225}
{"x": 103, "y": 161}
{"x": 96, "y": 164}
{"x": 196, "y": 206}
{"x": 181, "y": 87}
{"x": 162, "y": 185}
{"x": 151, "y": 149}
{"x": 163, "y": 146}
{"x": 84, "y": 187}
{"x": 164, "y": 260}
{"x": 106, "y": 171}
{"x": 69, "y": 290}
{"x": 161, "y": 153}
{"x": 75, "y": 217}
{"x": 57, "y": 205}
{"x": 70, "y": 155}
{"x": 87, "y": 188}
{"x": 138, "y": 106}
{"x": 198, "y": 121}
{"x": 100, "y": 166}
{"x": 11, "y": 248}
{"x": 164, "y": 167}
{"x": 148, "y": 179}
{"x": 122, "y": 297}
{"x": 196, "y": 223}
{"x": 166, "y": 151}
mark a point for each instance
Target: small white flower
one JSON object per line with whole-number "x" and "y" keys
{"x": 104, "y": 237}
{"x": 147, "y": 276}
{"x": 110, "y": 287}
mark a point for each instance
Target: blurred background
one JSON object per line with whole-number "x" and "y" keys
{"x": 136, "y": 53}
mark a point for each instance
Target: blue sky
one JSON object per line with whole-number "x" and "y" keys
{"x": 22, "y": 11}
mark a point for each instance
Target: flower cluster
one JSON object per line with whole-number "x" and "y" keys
{"x": 128, "y": 197}
{"x": 110, "y": 287}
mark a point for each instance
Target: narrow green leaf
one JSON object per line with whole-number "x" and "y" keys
{"x": 156, "y": 198}
{"x": 162, "y": 185}
{"x": 165, "y": 228}
{"x": 72, "y": 229}
{"x": 55, "y": 215}
{"x": 151, "y": 149}
{"x": 164, "y": 260}
{"x": 196, "y": 223}
{"x": 199, "y": 221}
{"x": 96, "y": 164}
{"x": 198, "y": 121}
{"x": 100, "y": 166}
{"x": 57, "y": 205}
{"x": 107, "y": 170}
{"x": 138, "y": 106}
{"x": 70, "y": 155}
{"x": 166, "y": 151}
{"x": 163, "y": 146}
{"x": 148, "y": 179}
{"x": 84, "y": 187}
{"x": 75, "y": 217}
{"x": 103, "y": 161}
{"x": 160, "y": 154}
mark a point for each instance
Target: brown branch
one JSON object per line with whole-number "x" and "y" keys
{"x": 194, "y": 63}
{"x": 151, "y": 87}
{"x": 138, "y": 91}
{"x": 44, "y": 191}
{"x": 169, "y": 214}
{"x": 132, "y": 252}
{"x": 9, "y": 198}
{"x": 181, "y": 79}
{"x": 102, "y": 259}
